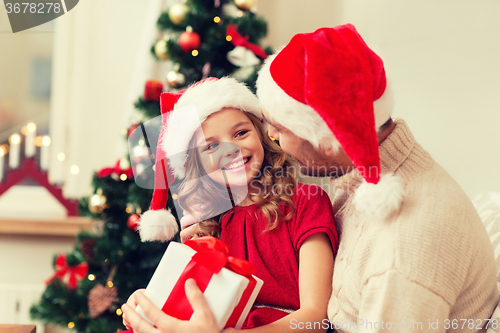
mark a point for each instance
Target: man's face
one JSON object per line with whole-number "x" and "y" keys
{"x": 315, "y": 162}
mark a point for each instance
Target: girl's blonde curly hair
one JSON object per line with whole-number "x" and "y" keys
{"x": 275, "y": 182}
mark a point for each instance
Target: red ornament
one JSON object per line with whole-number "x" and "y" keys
{"x": 189, "y": 40}
{"x": 119, "y": 169}
{"x": 133, "y": 222}
{"x": 152, "y": 91}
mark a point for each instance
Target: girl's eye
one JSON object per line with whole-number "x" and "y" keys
{"x": 211, "y": 146}
{"x": 241, "y": 133}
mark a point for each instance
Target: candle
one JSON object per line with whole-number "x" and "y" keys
{"x": 44, "y": 153}
{"x": 72, "y": 184}
{"x": 58, "y": 172}
{"x": 29, "y": 149}
{"x": 2, "y": 154}
{"x": 14, "y": 150}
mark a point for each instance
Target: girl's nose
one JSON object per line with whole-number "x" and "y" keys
{"x": 231, "y": 149}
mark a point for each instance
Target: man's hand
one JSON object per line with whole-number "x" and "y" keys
{"x": 203, "y": 320}
{"x": 132, "y": 302}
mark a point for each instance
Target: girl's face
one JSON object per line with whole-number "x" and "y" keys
{"x": 233, "y": 152}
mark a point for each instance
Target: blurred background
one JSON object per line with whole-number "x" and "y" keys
{"x": 78, "y": 76}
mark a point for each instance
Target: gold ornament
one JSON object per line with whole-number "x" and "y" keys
{"x": 176, "y": 79}
{"x": 177, "y": 13}
{"x": 244, "y": 4}
{"x": 97, "y": 202}
{"x": 161, "y": 49}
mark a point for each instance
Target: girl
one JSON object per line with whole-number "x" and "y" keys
{"x": 285, "y": 229}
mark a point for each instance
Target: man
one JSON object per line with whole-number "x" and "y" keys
{"x": 414, "y": 255}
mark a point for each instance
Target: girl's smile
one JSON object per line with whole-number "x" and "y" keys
{"x": 237, "y": 165}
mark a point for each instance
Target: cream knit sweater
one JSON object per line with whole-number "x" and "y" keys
{"x": 429, "y": 268}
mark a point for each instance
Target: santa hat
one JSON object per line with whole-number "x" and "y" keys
{"x": 178, "y": 127}
{"x": 329, "y": 88}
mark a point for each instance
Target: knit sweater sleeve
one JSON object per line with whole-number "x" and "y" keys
{"x": 390, "y": 301}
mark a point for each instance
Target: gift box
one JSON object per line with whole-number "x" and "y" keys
{"x": 227, "y": 283}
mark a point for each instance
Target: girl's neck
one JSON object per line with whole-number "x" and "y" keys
{"x": 242, "y": 195}
{"x": 246, "y": 202}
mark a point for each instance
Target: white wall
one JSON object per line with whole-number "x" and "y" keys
{"x": 285, "y": 18}
{"x": 28, "y": 259}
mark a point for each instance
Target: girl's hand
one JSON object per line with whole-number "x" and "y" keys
{"x": 189, "y": 224}
{"x": 203, "y": 320}
{"x": 132, "y": 302}
{"x": 188, "y": 233}
{"x": 187, "y": 220}
{"x": 197, "y": 209}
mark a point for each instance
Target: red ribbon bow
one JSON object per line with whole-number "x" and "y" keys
{"x": 108, "y": 171}
{"x": 239, "y": 40}
{"x": 211, "y": 256}
{"x": 77, "y": 272}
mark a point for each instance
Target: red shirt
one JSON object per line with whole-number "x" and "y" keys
{"x": 275, "y": 253}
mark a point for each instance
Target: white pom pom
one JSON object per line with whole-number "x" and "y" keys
{"x": 382, "y": 199}
{"x": 157, "y": 225}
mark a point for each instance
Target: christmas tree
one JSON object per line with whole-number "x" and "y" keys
{"x": 201, "y": 38}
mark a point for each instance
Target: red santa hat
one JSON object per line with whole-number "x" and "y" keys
{"x": 329, "y": 88}
{"x": 178, "y": 127}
